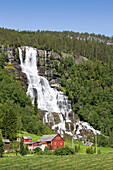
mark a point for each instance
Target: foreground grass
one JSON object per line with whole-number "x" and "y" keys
{"x": 78, "y": 162}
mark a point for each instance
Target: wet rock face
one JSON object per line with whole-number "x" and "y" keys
{"x": 46, "y": 66}
{"x": 11, "y": 53}
{"x": 41, "y": 53}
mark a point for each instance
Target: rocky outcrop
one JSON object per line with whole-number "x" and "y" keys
{"x": 10, "y": 52}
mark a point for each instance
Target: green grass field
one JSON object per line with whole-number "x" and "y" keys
{"x": 51, "y": 162}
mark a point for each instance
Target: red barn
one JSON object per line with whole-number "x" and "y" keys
{"x": 55, "y": 140}
{"x": 26, "y": 139}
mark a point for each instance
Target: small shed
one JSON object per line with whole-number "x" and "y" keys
{"x": 6, "y": 144}
{"x": 26, "y": 139}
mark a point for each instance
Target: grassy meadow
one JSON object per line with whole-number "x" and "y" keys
{"x": 78, "y": 162}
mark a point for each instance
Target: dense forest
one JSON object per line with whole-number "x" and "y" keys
{"x": 89, "y": 84}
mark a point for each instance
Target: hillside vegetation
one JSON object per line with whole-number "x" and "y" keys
{"x": 16, "y": 111}
{"x": 89, "y": 84}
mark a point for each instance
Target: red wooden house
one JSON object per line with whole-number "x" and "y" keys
{"x": 26, "y": 139}
{"x": 55, "y": 140}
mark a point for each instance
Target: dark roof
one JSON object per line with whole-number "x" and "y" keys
{"x": 47, "y": 138}
{"x": 30, "y": 143}
{"x": 27, "y": 137}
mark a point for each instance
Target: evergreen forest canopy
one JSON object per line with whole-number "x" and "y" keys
{"x": 89, "y": 84}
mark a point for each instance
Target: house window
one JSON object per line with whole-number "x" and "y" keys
{"x": 55, "y": 147}
{"x": 54, "y": 143}
{"x": 61, "y": 143}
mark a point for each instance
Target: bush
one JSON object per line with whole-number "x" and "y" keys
{"x": 99, "y": 152}
{"x": 37, "y": 150}
{"x": 77, "y": 148}
{"x": 95, "y": 150}
{"x": 41, "y": 153}
{"x": 89, "y": 150}
{"x": 46, "y": 150}
{"x": 64, "y": 151}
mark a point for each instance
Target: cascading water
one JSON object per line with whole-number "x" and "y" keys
{"x": 49, "y": 99}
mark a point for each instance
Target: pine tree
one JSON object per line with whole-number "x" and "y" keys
{"x": 22, "y": 149}
{"x": 76, "y": 149}
{"x": 111, "y": 139}
{"x": 1, "y": 147}
{"x": 9, "y": 124}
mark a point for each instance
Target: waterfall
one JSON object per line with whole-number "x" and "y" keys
{"x": 49, "y": 99}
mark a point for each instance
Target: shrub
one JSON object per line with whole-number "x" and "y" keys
{"x": 89, "y": 150}
{"x": 1, "y": 147}
{"x": 94, "y": 150}
{"x": 64, "y": 151}
{"x": 46, "y": 150}
{"x": 41, "y": 153}
{"x": 77, "y": 148}
{"x": 37, "y": 150}
{"x": 99, "y": 152}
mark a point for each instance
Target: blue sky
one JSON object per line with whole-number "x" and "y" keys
{"x": 92, "y": 16}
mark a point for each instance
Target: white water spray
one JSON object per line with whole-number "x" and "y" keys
{"x": 49, "y": 99}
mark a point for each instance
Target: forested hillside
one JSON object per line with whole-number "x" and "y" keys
{"x": 74, "y": 43}
{"x": 16, "y": 110}
{"x": 89, "y": 84}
